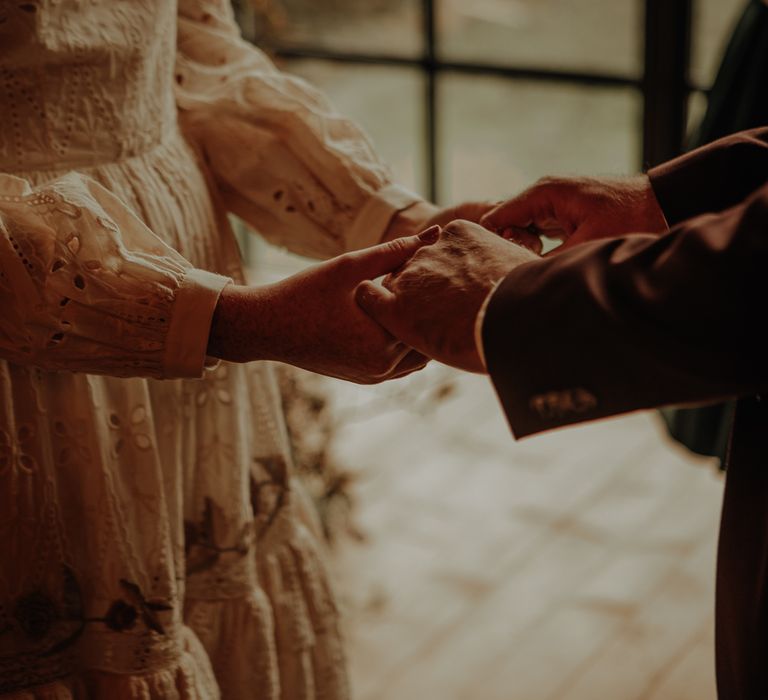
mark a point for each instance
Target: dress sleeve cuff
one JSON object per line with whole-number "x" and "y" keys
{"x": 373, "y": 219}
{"x": 190, "y": 324}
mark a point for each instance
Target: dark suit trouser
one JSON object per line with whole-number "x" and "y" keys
{"x": 742, "y": 569}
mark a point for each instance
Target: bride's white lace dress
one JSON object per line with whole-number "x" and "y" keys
{"x": 150, "y": 543}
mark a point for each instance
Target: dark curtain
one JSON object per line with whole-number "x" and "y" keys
{"x": 738, "y": 101}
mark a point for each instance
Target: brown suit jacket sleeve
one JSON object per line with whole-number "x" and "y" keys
{"x": 634, "y": 322}
{"x": 712, "y": 178}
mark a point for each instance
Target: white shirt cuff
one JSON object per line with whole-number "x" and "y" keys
{"x": 373, "y": 219}
{"x": 190, "y": 324}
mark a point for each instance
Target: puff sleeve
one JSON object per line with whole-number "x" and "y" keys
{"x": 86, "y": 286}
{"x": 283, "y": 159}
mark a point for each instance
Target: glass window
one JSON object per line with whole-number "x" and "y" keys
{"x": 387, "y": 102}
{"x": 697, "y": 107}
{"x": 713, "y": 22}
{"x": 594, "y": 35}
{"x": 498, "y": 136}
{"x": 392, "y": 27}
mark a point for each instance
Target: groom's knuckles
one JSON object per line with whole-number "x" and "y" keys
{"x": 455, "y": 228}
{"x": 462, "y": 229}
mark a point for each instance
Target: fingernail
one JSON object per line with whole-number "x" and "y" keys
{"x": 430, "y": 235}
{"x": 362, "y": 294}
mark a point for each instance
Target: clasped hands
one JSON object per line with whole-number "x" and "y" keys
{"x": 334, "y": 319}
{"x": 431, "y": 304}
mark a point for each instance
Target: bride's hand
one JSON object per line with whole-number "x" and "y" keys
{"x": 311, "y": 320}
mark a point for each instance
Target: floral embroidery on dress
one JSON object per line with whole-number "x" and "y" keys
{"x": 204, "y": 540}
{"x": 25, "y": 443}
{"x": 145, "y": 609}
{"x": 49, "y": 201}
{"x": 134, "y": 430}
{"x": 121, "y": 616}
{"x": 208, "y": 539}
{"x": 37, "y": 616}
{"x": 268, "y": 495}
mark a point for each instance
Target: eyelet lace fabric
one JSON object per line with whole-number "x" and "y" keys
{"x": 152, "y": 544}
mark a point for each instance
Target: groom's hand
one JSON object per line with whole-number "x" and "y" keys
{"x": 576, "y": 210}
{"x": 432, "y": 303}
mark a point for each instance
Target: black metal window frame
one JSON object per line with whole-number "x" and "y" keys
{"x": 665, "y": 86}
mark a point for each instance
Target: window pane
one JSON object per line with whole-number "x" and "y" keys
{"x": 697, "y": 107}
{"x": 382, "y": 26}
{"x": 387, "y": 102}
{"x": 598, "y": 35}
{"x": 498, "y": 136}
{"x": 713, "y": 22}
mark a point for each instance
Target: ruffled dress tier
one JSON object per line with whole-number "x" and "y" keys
{"x": 152, "y": 544}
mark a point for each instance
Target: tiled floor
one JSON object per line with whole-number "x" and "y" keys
{"x": 571, "y": 566}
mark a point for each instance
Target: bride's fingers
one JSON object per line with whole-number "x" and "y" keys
{"x": 389, "y": 280}
{"x": 380, "y": 260}
{"x": 401, "y": 375}
{"x": 412, "y": 362}
{"x": 532, "y": 205}
{"x": 523, "y": 237}
{"x": 579, "y": 236}
{"x": 380, "y": 304}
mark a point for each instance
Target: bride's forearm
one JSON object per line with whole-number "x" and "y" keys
{"x": 312, "y": 319}
{"x": 240, "y": 324}
{"x": 242, "y": 328}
